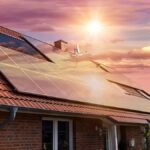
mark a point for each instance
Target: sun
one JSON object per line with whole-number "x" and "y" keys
{"x": 147, "y": 48}
{"x": 94, "y": 27}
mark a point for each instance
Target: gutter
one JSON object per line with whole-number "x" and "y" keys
{"x": 10, "y": 118}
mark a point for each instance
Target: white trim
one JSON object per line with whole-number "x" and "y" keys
{"x": 55, "y": 143}
{"x": 115, "y": 137}
{"x": 55, "y": 131}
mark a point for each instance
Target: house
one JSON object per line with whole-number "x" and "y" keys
{"x": 49, "y": 102}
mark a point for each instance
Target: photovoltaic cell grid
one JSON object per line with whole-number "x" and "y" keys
{"x": 19, "y": 45}
{"x": 82, "y": 81}
{"x": 47, "y": 49}
{"x": 49, "y": 79}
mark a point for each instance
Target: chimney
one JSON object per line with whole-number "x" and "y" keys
{"x": 60, "y": 44}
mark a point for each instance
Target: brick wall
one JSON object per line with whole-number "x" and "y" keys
{"x": 85, "y": 135}
{"x": 24, "y": 133}
{"x": 134, "y": 132}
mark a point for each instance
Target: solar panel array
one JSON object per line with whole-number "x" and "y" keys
{"x": 82, "y": 81}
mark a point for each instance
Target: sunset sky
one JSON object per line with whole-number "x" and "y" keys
{"x": 122, "y": 39}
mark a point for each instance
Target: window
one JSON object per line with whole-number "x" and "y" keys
{"x": 56, "y": 134}
{"x": 20, "y": 45}
{"x": 63, "y": 135}
{"x": 47, "y": 135}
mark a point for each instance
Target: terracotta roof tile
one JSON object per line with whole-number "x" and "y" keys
{"x": 10, "y": 98}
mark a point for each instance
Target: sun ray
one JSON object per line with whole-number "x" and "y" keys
{"x": 94, "y": 27}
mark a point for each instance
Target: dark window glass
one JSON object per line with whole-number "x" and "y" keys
{"x": 19, "y": 45}
{"x": 47, "y": 133}
{"x": 63, "y": 135}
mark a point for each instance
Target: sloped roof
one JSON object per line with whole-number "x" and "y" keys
{"x": 9, "y": 97}
{"x": 83, "y": 82}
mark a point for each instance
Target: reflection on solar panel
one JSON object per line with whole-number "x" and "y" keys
{"x": 19, "y": 45}
{"x": 81, "y": 81}
{"x": 48, "y": 50}
{"x": 43, "y": 46}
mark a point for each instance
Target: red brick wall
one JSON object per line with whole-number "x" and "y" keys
{"x": 24, "y": 133}
{"x": 85, "y": 135}
{"x": 134, "y": 132}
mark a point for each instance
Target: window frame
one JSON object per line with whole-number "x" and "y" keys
{"x": 55, "y": 131}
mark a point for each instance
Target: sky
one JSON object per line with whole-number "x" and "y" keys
{"x": 122, "y": 41}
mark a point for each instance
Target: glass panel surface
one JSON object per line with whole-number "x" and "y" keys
{"x": 51, "y": 52}
{"x": 63, "y": 135}
{"x": 81, "y": 81}
{"x": 19, "y": 45}
{"x": 42, "y": 46}
{"x": 47, "y": 133}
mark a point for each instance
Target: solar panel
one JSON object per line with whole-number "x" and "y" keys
{"x": 19, "y": 79}
{"x": 48, "y": 50}
{"x": 82, "y": 81}
{"x": 132, "y": 91}
{"x": 19, "y": 45}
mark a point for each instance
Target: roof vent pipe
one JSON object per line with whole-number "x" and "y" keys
{"x": 77, "y": 50}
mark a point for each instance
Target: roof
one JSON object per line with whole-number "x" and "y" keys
{"x": 128, "y": 120}
{"x": 10, "y": 32}
{"x": 9, "y": 97}
{"x": 79, "y": 82}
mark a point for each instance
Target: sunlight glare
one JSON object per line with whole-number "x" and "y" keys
{"x": 94, "y": 27}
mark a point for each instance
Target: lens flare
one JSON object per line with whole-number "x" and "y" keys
{"x": 94, "y": 27}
